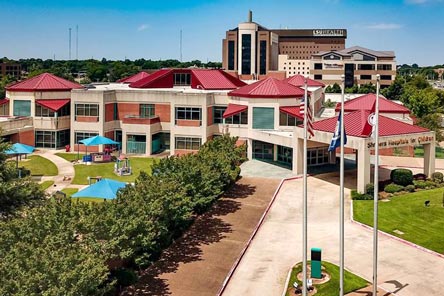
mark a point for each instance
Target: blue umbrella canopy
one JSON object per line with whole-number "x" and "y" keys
{"x": 98, "y": 140}
{"x": 19, "y": 148}
{"x": 105, "y": 188}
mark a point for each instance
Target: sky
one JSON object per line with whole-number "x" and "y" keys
{"x": 150, "y": 29}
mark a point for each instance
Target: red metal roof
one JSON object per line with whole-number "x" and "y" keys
{"x": 4, "y": 101}
{"x": 356, "y": 125}
{"x": 233, "y": 109}
{"x": 148, "y": 81}
{"x": 214, "y": 79}
{"x": 53, "y": 105}
{"x": 44, "y": 82}
{"x": 134, "y": 78}
{"x": 294, "y": 111}
{"x": 299, "y": 81}
{"x": 268, "y": 88}
{"x": 367, "y": 101}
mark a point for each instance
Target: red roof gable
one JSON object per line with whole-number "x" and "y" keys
{"x": 366, "y": 102}
{"x": 150, "y": 81}
{"x": 4, "y": 101}
{"x": 134, "y": 78}
{"x": 268, "y": 88}
{"x": 233, "y": 109}
{"x": 53, "y": 105}
{"x": 299, "y": 81}
{"x": 356, "y": 125}
{"x": 44, "y": 82}
{"x": 294, "y": 111}
{"x": 214, "y": 79}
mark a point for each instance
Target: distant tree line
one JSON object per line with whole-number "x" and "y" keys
{"x": 62, "y": 247}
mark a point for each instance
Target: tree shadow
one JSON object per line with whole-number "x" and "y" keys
{"x": 207, "y": 229}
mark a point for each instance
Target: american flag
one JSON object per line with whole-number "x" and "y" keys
{"x": 310, "y": 129}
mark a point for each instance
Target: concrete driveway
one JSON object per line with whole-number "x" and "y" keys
{"x": 278, "y": 245}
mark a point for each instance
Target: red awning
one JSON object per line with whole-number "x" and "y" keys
{"x": 4, "y": 101}
{"x": 53, "y": 105}
{"x": 294, "y": 111}
{"x": 234, "y": 109}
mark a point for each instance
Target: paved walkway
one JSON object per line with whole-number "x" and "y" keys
{"x": 65, "y": 168}
{"x": 198, "y": 262}
{"x": 278, "y": 245}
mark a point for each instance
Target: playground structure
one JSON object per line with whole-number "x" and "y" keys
{"x": 122, "y": 167}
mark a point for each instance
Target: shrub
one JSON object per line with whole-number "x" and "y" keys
{"x": 370, "y": 189}
{"x": 125, "y": 277}
{"x": 420, "y": 184}
{"x": 392, "y": 188}
{"x": 437, "y": 177}
{"x": 383, "y": 183}
{"x": 360, "y": 196}
{"x": 421, "y": 177}
{"x": 401, "y": 177}
{"x": 430, "y": 184}
{"x": 410, "y": 188}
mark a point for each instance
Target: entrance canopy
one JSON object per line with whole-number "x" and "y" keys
{"x": 98, "y": 140}
{"x": 234, "y": 109}
{"x": 105, "y": 188}
{"x": 53, "y": 105}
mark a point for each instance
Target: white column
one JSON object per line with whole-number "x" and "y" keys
{"x": 429, "y": 159}
{"x": 149, "y": 143}
{"x": 250, "y": 149}
{"x": 298, "y": 157}
{"x": 124, "y": 139}
{"x": 275, "y": 152}
{"x": 363, "y": 160}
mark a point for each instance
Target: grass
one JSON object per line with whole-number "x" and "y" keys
{"x": 71, "y": 191}
{"x": 352, "y": 282}
{"x": 70, "y": 156}
{"x": 46, "y": 184}
{"x": 439, "y": 152}
{"x": 407, "y": 213}
{"x": 106, "y": 170}
{"x": 39, "y": 166}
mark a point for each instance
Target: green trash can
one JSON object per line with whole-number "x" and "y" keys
{"x": 316, "y": 270}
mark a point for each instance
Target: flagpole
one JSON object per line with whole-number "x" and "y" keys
{"x": 375, "y": 193}
{"x": 304, "y": 200}
{"x": 341, "y": 196}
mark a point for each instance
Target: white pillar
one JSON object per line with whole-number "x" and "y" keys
{"x": 124, "y": 139}
{"x": 298, "y": 157}
{"x": 275, "y": 152}
{"x": 149, "y": 142}
{"x": 429, "y": 159}
{"x": 250, "y": 149}
{"x": 363, "y": 160}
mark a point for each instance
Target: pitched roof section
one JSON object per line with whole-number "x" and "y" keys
{"x": 134, "y": 78}
{"x": 268, "y": 88}
{"x": 349, "y": 51}
{"x": 356, "y": 125}
{"x": 4, "y": 101}
{"x": 233, "y": 109}
{"x": 53, "y": 105}
{"x": 294, "y": 111}
{"x": 150, "y": 81}
{"x": 299, "y": 81}
{"x": 44, "y": 82}
{"x": 215, "y": 79}
{"x": 366, "y": 102}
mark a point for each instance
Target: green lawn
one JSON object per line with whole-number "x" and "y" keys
{"x": 106, "y": 170}
{"x": 70, "y": 156}
{"x": 351, "y": 282}
{"x": 39, "y": 166}
{"x": 421, "y": 225}
{"x": 46, "y": 184}
{"x": 439, "y": 152}
{"x": 71, "y": 191}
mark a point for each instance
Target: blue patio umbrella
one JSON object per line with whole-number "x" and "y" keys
{"x": 105, "y": 188}
{"x": 98, "y": 140}
{"x": 19, "y": 149}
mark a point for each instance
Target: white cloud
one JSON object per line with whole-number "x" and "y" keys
{"x": 143, "y": 27}
{"x": 384, "y": 26}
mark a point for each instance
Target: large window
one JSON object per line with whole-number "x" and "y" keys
{"x": 263, "y": 57}
{"x": 187, "y": 143}
{"x": 188, "y": 113}
{"x": 78, "y": 136}
{"x": 366, "y": 67}
{"x": 318, "y": 77}
{"x": 86, "y": 109}
{"x": 218, "y": 113}
{"x": 386, "y": 77}
{"x": 317, "y": 156}
{"x": 239, "y": 118}
{"x": 230, "y": 55}
{"x": 246, "y": 54}
{"x": 288, "y": 120}
{"x": 182, "y": 79}
{"x": 385, "y": 67}
{"x": 43, "y": 112}
{"x": 366, "y": 77}
{"x": 51, "y": 139}
{"x": 147, "y": 110}
{"x": 318, "y": 66}
{"x": 22, "y": 108}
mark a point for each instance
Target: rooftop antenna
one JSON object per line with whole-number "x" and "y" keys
{"x": 69, "y": 43}
{"x": 181, "y": 45}
{"x": 250, "y": 16}
{"x": 77, "y": 42}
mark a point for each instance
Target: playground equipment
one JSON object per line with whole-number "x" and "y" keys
{"x": 122, "y": 167}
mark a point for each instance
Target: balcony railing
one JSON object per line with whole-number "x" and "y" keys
{"x": 136, "y": 119}
{"x": 52, "y": 123}
{"x": 12, "y": 124}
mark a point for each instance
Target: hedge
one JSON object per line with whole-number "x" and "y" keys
{"x": 401, "y": 177}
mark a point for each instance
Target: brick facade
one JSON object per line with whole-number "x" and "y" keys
{"x": 163, "y": 111}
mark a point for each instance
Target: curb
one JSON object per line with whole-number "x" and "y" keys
{"x": 256, "y": 229}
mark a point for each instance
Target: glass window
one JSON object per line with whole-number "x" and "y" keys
{"x": 239, "y": 118}
{"x": 366, "y": 67}
{"x": 182, "y": 79}
{"x": 317, "y": 156}
{"x": 385, "y": 67}
{"x": 86, "y": 109}
{"x": 288, "y": 120}
{"x": 318, "y": 77}
{"x": 188, "y": 143}
{"x": 78, "y": 136}
{"x": 386, "y": 77}
{"x": 188, "y": 113}
{"x": 231, "y": 55}
{"x": 22, "y": 108}
{"x": 366, "y": 77}
{"x": 263, "y": 57}
{"x": 147, "y": 110}
{"x": 41, "y": 111}
{"x": 318, "y": 66}
{"x": 218, "y": 113}
{"x": 246, "y": 54}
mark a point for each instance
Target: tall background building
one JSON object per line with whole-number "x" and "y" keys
{"x": 252, "y": 51}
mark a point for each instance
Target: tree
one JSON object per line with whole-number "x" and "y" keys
{"x": 335, "y": 88}
{"x": 433, "y": 122}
